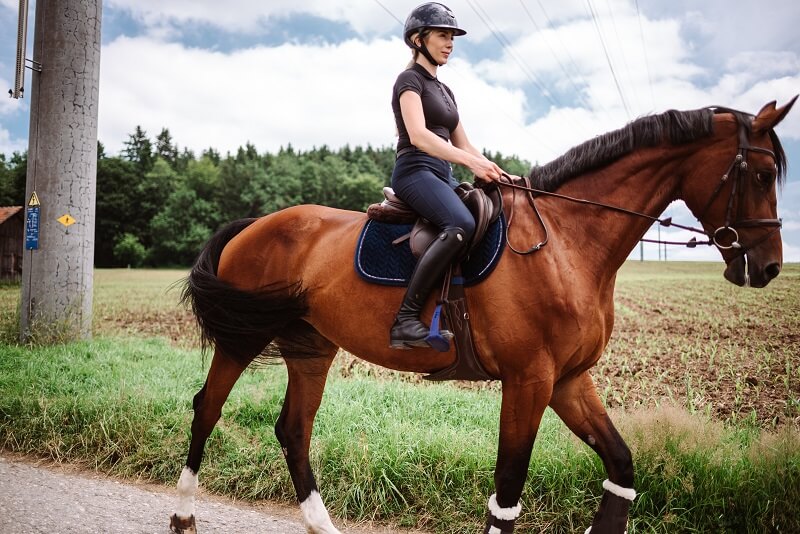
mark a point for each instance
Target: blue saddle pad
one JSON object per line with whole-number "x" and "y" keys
{"x": 378, "y": 261}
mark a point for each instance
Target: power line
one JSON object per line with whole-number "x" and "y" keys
{"x": 504, "y": 42}
{"x": 389, "y": 12}
{"x": 563, "y": 69}
{"x": 566, "y": 50}
{"x": 608, "y": 58}
{"x": 646, "y": 60}
{"x": 575, "y": 67}
{"x": 622, "y": 51}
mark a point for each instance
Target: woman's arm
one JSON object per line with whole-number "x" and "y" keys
{"x": 459, "y": 139}
{"x": 460, "y": 152}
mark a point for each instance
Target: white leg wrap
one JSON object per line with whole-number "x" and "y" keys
{"x": 506, "y": 514}
{"x": 187, "y": 487}
{"x": 619, "y": 491}
{"x": 315, "y": 515}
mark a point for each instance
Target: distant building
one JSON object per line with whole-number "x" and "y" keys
{"x": 12, "y": 230}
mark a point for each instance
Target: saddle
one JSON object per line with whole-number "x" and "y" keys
{"x": 485, "y": 204}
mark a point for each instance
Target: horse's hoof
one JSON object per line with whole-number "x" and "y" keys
{"x": 182, "y": 526}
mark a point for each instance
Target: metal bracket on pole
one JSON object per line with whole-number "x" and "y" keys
{"x": 34, "y": 65}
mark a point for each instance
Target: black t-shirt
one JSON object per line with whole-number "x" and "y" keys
{"x": 438, "y": 104}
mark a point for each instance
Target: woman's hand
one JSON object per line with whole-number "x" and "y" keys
{"x": 485, "y": 169}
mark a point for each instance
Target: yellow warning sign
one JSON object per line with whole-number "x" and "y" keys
{"x": 66, "y": 219}
{"x": 34, "y": 201}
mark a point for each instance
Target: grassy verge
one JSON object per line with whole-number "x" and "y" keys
{"x": 385, "y": 450}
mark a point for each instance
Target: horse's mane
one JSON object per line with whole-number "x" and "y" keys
{"x": 676, "y": 126}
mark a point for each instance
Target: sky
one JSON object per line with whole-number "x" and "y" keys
{"x": 531, "y": 77}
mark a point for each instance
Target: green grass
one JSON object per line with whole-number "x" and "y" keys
{"x": 384, "y": 450}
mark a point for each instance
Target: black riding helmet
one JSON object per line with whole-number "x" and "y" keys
{"x": 429, "y": 15}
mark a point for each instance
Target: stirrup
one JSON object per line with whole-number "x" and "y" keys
{"x": 438, "y": 339}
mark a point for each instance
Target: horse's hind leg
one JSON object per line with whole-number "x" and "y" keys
{"x": 307, "y": 362}
{"x": 577, "y": 403}
{"x": 222, "y": 375}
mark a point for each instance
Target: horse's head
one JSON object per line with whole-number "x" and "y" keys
{"x": 737, "y": 204}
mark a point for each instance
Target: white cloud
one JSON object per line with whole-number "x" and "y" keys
{"x": 9, "y": 145}
{"x": 247, "y": 16}
{"x": 304, "y": 95}
{"x": 9, "y": 106}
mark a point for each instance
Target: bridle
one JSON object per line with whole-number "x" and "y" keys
{"x": 736, "y": 171}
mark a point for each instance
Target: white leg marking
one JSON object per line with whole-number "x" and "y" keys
{"x": 187, "y": 487}
{"x": 619, "y": 491}
{"x": 495, "y": 530}
{"x": 315, "y": 515}
{"x": 506, "y": 514}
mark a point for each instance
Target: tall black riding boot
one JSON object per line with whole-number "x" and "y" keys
{"x": 407, "y": 330}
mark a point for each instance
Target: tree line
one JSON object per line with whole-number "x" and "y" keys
{"x": 157, "y": 205}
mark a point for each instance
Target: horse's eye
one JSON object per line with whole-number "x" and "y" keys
{"x": 765, "y": 177}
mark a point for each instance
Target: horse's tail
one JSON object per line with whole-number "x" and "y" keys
{"x": 239, "y": 323}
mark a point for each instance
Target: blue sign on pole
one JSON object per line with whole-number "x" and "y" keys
{"x": 32, "y": 228}
{"x": 32, "y": 223}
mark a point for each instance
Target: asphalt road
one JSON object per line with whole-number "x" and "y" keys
{"x": 59, "y": 500}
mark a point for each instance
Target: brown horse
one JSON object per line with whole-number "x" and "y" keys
{"x": 286, "y": 282}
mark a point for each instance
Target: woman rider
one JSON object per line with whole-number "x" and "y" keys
{"x": 431, "y": 137}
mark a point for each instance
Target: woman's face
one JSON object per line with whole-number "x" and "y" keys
{"x": 440, "y": 45}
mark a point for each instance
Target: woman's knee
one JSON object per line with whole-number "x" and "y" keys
{"x": 467, "y": 224}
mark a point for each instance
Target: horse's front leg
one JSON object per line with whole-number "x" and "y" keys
{"x": 577, "y": 403}
{"x": 523, "y": 405}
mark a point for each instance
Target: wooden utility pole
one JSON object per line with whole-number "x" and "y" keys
{"x": 58, "y": 261}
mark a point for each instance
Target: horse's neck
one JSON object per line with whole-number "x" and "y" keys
{"x": 645, "y": 182}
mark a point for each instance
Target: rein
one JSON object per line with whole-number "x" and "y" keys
{"x": 737, "y": 169}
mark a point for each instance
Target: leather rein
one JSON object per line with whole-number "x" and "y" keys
{"x": 737, "y": 170}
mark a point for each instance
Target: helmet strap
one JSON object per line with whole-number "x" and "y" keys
{"x": 424, "y": 51}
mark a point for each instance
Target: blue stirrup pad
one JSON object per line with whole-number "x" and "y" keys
{"x": 378, "y": 261}
{"x": 435, "y": 338}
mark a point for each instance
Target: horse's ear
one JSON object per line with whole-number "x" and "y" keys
{"x": 770, "y": 116}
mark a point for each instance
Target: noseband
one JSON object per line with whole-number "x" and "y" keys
{"x": 736, "y": 171}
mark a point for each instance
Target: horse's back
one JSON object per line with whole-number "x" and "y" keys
{"x": 289, "y": 245}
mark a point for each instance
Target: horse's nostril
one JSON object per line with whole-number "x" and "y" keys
{"x": 772, "y": 270}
